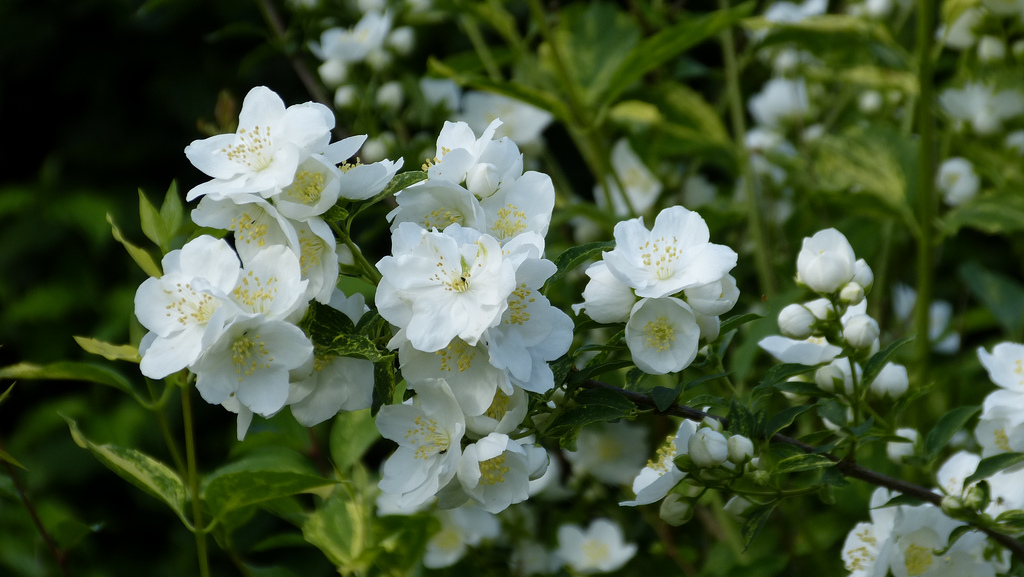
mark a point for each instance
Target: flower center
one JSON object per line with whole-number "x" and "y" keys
{"x": 457, "y": 353}
{"x": 428, "y": 438}
{"x": 664, "y": 456}
{"x": 499, "y": 406}
{"x": 306, "y": 188}
{"x": 252, "y": 148}
{"x": 440, "y": 218}
{"x": 448, "y": 539}
{"x": 492, "y": 471}
{"x": 256, "y": 294}
{"x": 191, "y": 307}
{"x": 661, "y": 255}
{"x": 595, "y": 551}
{"x": 917, "y": 559}
{"x": 660, "y": 335}
{"x": 1002, "y": 441}
{"x": 511, "y": 221}
{"x": 248, "y": 355}
{"x": 518, "y": 302}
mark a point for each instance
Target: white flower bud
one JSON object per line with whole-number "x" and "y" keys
{"x": 1015, "y": 140}
{"x": 1017, "y": 48}
{"x": 796, "y": 322}
{"x": 713, "y": 424}
{"x": 862, "y": 275}
{"x": 333, "y": 72}
{"x": 402, "y": 39}
{"x": 825, "y": 261}
{"x": 878, "y": 8}
{"x": 991, "y": 49}
{"x": 738, "y": 508}
{"x": 740, "y": 449}
{"x": 897, "y": 450}
{"x": 676, "y": 509}
{"x": 483, "y": 179}
{"x": 390, "y": 95}
{"x": 828, "y": 377}
{"x": 378, "y": 59}
{"x": 821, "y": 309}
{"x": 892, "y": 381}
{"x": 851, "y": 293}
{"x": 345, "y": 96}
{"x": 869, "y": 102}
{"x": 860, "y": 332}
{"x": 708, "y": 448}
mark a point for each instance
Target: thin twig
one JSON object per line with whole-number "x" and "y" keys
{"x": 847, "y": 467}
{"x": 58, "y": 555}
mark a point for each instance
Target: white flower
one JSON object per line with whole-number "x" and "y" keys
{"x": 250, "y": 362}
{"x": 792, "y": 12}
{"x": 518, "y": 206}
{"x": 482, "y": 163}
{"x": 599, "y": 549}
{"x": 957, "y": 181}
{"x": 642, "y": 187}
{"x": 442, "y": 91}
{"x": 779, "y": 102}
{"x": 256, "y": 223}
{"x": 605, "y": 298}
{"x": 897, "y": 451}
{"x": 494, "y": 472}
{"x": 435, "y": 204}
{"x": 356, "y": 44}
{"x": 263, "y": 155}
{"x": 336, "y": 383}
{"x": 1005, "y": 365}
{"x": 960, "y": 34}
{"x": 466, "y": 368}
{"x": 715, "y": 298}
{"x": 811, "y": 351}
{"x": 318, "y": 258}
{"x": 991, "y": 49}
{"x": 837, "y": 375}
{"x": 270, "y": 284}
{"x": 661, "y": 474}
{"x": 1014, "y": 141}
{"x": 429, "y": 435}
{"x": 741, "y": 449}
{"x": 503, "y": 416}
{"x": 944, "y": 340}
{"x": 1001, "y": 425}
{"x": 982, "y": 106}
{"x": 185, "y": 304}
{"x": 662, "y": 335}
{"x": 461, "y": 528}
{"x": 608, "y": 451}
{"x": 390, "y": 95}
{"x": 442, "y": 285}
{"x": 523, "y": 123}
{"x": 673, "y": 256}
{"x": 708, "y": 448}
{"x": 796, "y": 322}
{"x": 316, "y": 185}
{"x": 860, "y": 332}
{"x": 892, "y": 381}
{"x": 826, "y": 261}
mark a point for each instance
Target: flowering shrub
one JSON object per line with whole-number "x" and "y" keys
{"x": 490, "y": 366}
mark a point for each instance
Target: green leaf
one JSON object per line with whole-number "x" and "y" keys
{"x": 784, "y": 418}
{"x": 778, "y": 374}
{"x": 69, "y": 371}
{"x": 593, "y": 406}
{"x": 806, "y": 462}
{"x": 328, "y": 323}
{"x": 704, "y": 379}
{"x": 669, "y": 43}
{"x": 258, "y": 478}
{"x": 575, "y": 256}
{"x": 741, "y": 420}
{"x": 755, "y": 521}
{"x": 139, "y": 469}
{"x": 833, "y": 410}
{"x": 352, "y": 433}
{"x": 353, "y": 345}
{"x": 149, "y": 217}
{"x": 172, "y": 211}
{"x": 341, "y": 528}
{"x": 901, "y": 499}
{"x": 336, "y": 213}
{"x": 140, "y": 256}
{"x": 878, "y": 361}
{"x": 6, "y": 457}
{"x": 1000, "y": 212}
{"x": 737, "y": 321}
{"x": 664, "y": 396}
{"x": 109, "y": 351}
{"x": 947, "y": 426}
{"x": 1011, "y": 521}
{"x": 383, "y": 383}
{"x": 991, "y": 465}
{"x": 1001, "y": 295}
{"x": 596, "y": 39}
{"x": 3, "y": 397}
{"x": 160, "y": 226}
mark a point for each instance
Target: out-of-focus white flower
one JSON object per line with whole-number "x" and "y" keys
{"x": 780, "y": 101}
{"x": 661, "y": 474}
{"x": 356, "y": 44}
{"x": 461, "y": 528}
{"x": 642, "y": 188}
{"x": 940, "y": 315}
{"x": 892, "y": 381}
{"x": 826, "y": 261}
{"x": 811, "y": 351}
{"x": 792, "y": 12}
{"x": 991, "y": 49}
{"x": 494, "y": 472}
{"x": 869, "y": 101}
{"x": 522, "y": 123}
{"x": 1015, "y": 141}
{"x": 698, "y": 191}
{"x": 333, "y": 72}
{"x": 441, "y": 91}
{"x": 899, "y": 450}
{"x": 960, "y": 35}
{"x": 957, "y": 181}
{"x": 390, "y": 95}
{"x": 402, "y": 40}
{"x": 982, "y": 106}
{"x": 345, "y": 96}
{"x": 600, "y": 548}
{"x": 608, "y": 451}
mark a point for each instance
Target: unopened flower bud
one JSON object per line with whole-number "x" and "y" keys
{"x": 712, "y": 423}
{"x": 738, "y": 508}
{"x": 708, "y": 448}
{"x": 897, "y": 451}
{"x": 977, "y": 497}
{"x": 402, "y": 39}
{"x": 345, "y": 96}
{"x": 821, "y": 309}
{"x": 825, "y": 261}
{"x": 991, "y": 49}
{"x": 952, "y": 506}
{"x": 1017, "y": 48}
{"x": 869, "y": 101}
{"x": 860, "y": 332}
{"x": 333, "y": 72}
{"x": 862, "y": 275}
{"x": 676, "y": 509}
{"x": 829, "y": 377}
{"x": 390, "y": 95}
{"x": 892, "y": 381}
{"x": 740, "y": 449}
{"x": 851, "y": 293}
{"x": 796, "y": 322}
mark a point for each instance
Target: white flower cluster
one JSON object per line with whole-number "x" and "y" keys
{"x": 1001, "y": 426}
{"x": 681, "y": 279}
{"x": 834, "y": 328}
{"x": 474, "y": 332}
{"x": 914, "y": 541}
{"x": 230, "y": 318}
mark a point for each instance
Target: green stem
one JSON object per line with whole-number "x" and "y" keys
{"x": 368, "y": 269}
{"x": 193, "y": 483}
{"x": 926, "y": 208}
{"x": 472, "y": 31}
{"x": 762, "y": 257}
{"x": 165, "y": 427}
